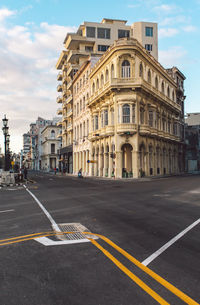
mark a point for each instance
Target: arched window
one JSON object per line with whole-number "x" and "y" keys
{"x": 141, "y": 70}
{"x": 142, "y": 115}
{"x": 149, "y": 77}
{"x": 77, "y": 108}
{"x": 53, "y": 134}
{"x": 84, "y": 130}
{"x": 80, "y": 83}
{"x": 126, "y": 113}
{"x": 106, "y": 75}
{"x": 156, "y": 82}
{"x": 97, "y": 84}
{"x": 93, "y": 88}
{"x": 168, "y": 92}
{"x": 112, "y": 71}
{"x": 126, "y": 69}
{"x": 102, "y": 80}
{"x": 163, "y": 88}
{"x": 80, "y": 105}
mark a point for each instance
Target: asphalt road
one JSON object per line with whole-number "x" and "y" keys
{"x": 139, "y": 217}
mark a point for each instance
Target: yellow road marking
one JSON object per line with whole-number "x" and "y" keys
{"x": 134, "y": 278}
{"x": 154, "y": 275}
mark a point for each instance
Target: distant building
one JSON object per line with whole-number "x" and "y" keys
{"x": 26, "y": 143}
{"x": 192, "y": 140}
{"x": 51, "y": 145}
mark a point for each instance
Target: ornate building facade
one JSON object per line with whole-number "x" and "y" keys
{"x": 135, "y": 115}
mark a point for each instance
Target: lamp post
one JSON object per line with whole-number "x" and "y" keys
{"x": 6, "y": 137}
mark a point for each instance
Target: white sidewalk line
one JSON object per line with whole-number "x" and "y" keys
{"x": 5, "y": 211}
{"x": 149, "y": 259}
{"x": 54, "y": 224}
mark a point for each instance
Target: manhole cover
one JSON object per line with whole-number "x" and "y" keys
{"x": 77, "y": 230}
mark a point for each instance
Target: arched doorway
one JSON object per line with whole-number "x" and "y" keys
{"x": 127, "y": 160}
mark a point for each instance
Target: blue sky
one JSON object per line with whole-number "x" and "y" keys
{"x": 31, "y": 38}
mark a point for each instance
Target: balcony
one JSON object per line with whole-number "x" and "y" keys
{"x": 69, "y": 127}
{"x": 110, "y": 130}
{"x": 126, "y": 128}
{"x": 68, "y": 99}
{"x": 59, "y": 111}
{"x": 59, "y": 76}
{"x": 59, "y": 123}
{"x": 59, "y": 100}
{"x": 59, "y": 88}
{"x": 69, "y": 85}
{"x": 69, "y": 113}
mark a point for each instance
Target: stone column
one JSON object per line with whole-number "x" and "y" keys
{"x": 100, "y": 164}
{"x": 118, "y": 164}
{"x": 135, "y": 164}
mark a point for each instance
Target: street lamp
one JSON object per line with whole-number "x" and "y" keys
{"x": 6, "y": 138}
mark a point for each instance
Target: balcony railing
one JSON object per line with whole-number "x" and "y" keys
{"x": 126, "y": 127}
{"x": 59, "y": 76}
{"x": 59, "y": 99}
{"x": 59, "y": 111}
{"x": 59, "y": 88}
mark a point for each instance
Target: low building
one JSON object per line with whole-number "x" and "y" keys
{"x": 51, "y": 145}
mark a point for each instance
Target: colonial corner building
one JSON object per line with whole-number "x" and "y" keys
{"x": 122, "y": 112}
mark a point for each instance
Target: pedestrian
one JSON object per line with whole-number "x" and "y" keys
{"x": 55, "y": 170}
{"x": 25, "y": 173}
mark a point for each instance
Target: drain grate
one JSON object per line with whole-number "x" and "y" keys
{"x": 77, "y": 230}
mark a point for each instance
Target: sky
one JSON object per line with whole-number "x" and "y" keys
{"x": 31, "y": 38}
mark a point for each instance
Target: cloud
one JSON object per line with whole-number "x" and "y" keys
{"x": 169, "y": 32}
{"x": 172, "y": 57}
{"x": 189, "y": 28}
{"x": 174, "y": 20}
{"x": 5, "y": 13}
{"x": 166, "y": 9}
{"x": 28, "y": 55}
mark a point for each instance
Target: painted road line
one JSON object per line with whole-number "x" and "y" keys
{"x": 154, "y": 275}
{"x": 153, "y": 256}
{"x": 134, "y": 278}
{"x": 49, "y": 242}
{"x": 54, "y": 224}
{"x": 6, "y": 211}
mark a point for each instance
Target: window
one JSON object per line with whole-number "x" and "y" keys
{"x": 102, "y": 80}
{"x": 53, "y": 134}
{"x": 163, "y": 88}
{"x": 173, "y": 95}
{"x": 112, "y": 117}
{"x": 84, "y": 130}
{"x": 149, "y": 47}
{"x": 133, "y": 113}
{"x": 88, "y": 49}
{"x": 141, "y": 70}
{"x": 90, "y": 31}
{"x": 126, "y": 69}
{"x": 103, "y": 33}
{"x": 169, "y": 126}
{"x": 149, "y": 76}
{"x": 87, "y": 127}
{"x": 52, "y": 148}
{"x": 151, "y": 118}
{"x": 156, "y": 82}
{"x": 84, "y": 103}
{"x": 93, "y": 88}
{"x": 96, "y": 122}
{"x": 141, "y": 115}
{"x": 77, "y": 108}
{"x": 102, "y": 48}
{"x": 112, "y": 71}
{"x": 149, "y": 31}
{"x": 106, "y": 117}
{"x": 123, "y": 33}
{"x": 168, "y": 92}
{"x": 102, "y": 119}
{"x": 106, "y": 75}
{"x": 80, "y": 105}
{"x": 126, "y": 113}
{"x": 80, "y": 131}
{"x": 97, "y": 84}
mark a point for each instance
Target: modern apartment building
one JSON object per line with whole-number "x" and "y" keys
{"x": 134, "y": 111}
{"x": 92, "y": 38}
